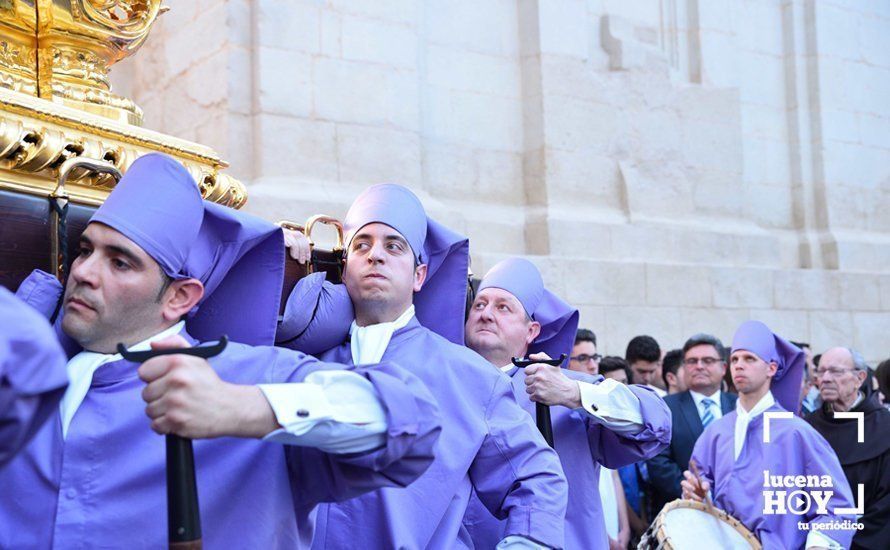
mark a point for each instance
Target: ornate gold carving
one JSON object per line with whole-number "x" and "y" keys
{"x": 80, "y": 65}
{"x": 58, "y": 53}
{"x": 16, "y": 57}
{"x": 34, "y": 143}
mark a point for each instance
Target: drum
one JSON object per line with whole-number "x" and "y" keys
{"x": 689, "y": 525}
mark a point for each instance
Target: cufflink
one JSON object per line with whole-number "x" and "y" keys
{"x": 302, "y": 413}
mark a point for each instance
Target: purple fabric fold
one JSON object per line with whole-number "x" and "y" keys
{"x": 757, "y": 338}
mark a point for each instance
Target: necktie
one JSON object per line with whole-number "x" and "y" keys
{"x": 708, "y": 417}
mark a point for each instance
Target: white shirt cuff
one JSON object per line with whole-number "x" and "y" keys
{"x": 516, "y": 542}
{"x": 335, "y": 411}
{"x": 815, "y": 539}
{"x": 613, "y": 405}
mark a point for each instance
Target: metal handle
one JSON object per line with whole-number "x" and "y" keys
{"x": 327, "y": 220}
{"x": 58, "y": 212}
{"x": 542, "y": 411}
{"x": 94, "y": 166}
{"x": 525, "y": 362}
{"x": 293, "y": 226}
{"x": 183, "y": 512}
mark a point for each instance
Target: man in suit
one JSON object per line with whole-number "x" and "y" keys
{"x": 691, "y": 411}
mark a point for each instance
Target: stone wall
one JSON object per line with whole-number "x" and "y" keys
{"x": 673, "y": 166}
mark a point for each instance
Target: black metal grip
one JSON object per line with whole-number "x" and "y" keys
{"x": 183, "y": 513}
{"x": 204, "y": 352}
{"x": 542, "y": 411}
{"x": 526, "y": 362}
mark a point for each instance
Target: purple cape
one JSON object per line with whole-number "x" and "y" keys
{"x": 239, "y": 258}
{"x": 757, "y": 338}
{"x": 795, "y": 449}
{"x": 582, "y": 445}
{"x": 488, "y": 443}
{"x": 32, "y": 373}
{"x": 105, "y": 484}
{"x": 558, "y": 320}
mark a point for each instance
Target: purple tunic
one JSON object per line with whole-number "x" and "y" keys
{"x": 104, "y": 486}
{"x": 737, "y": 486}
{"x": 583, "y": 445}
{"x": 488, "y": 443}
{"x": 32, "y": 373}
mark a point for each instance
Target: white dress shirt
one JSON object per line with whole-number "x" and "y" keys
{"x": 82, "y": 366}
{"x": 344, "y": 413}
{"x": 609, "y": 403}
{"x": 716, "y": 409}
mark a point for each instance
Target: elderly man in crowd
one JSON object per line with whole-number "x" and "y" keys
{"x": 866, "y": 463}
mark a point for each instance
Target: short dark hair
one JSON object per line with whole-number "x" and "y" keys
{"x": 166, "y": 281}
{"x": 585, "y": 335}
{"x": 816, "y": 359}
{"x": 642, "y": 348}
{"x": 701, "y": 339}
{"x": 882, "y": 373}
{"x": 671, "y": 364}
{"x": 613, "y": 363}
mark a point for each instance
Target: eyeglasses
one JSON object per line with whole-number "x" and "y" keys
{"x": 833, "y": 371}
{"x": 584, "y": 358}
{"x": 706, "y": 361}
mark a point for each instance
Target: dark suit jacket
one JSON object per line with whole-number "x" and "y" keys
{"x": 666, "y": 468}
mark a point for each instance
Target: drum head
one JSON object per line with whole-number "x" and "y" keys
{"x": 687, "y": 527}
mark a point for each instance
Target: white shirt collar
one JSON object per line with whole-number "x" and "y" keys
{"x": 744, "y": 418}
{"x": 699, "y": 397}
{"x": 507, "y": 368}
{"x": 765, "y": 402}
{"x": 368, "y": 344}
{"x": 82, "y": 366}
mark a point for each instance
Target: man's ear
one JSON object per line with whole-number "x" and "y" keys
{"x": 419, "y": 277}
{"x": 773, "y": 368}
{"x": 180, "y": 297}
{"x": 534, "y": 329}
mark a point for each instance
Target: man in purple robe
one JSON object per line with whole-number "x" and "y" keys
{"x": 160, "y": 267}
{"x": 595, "y": 421}
{"x": 764, "y": 465}
{"x": 406, "y": 276}
{"x": 32, "y": 373}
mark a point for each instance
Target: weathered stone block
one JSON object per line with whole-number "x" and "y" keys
{"x": 738, "y": 287}
{"x": 677, "y": 285}
{"x": 378, "y": 41}
{"x": 301, "y": 148}
{"x": 806, "y": 289}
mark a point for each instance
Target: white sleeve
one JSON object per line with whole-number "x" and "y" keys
{"x": 336, "y": 411}
{"x": 517, "y": 542}
{"x": 815, "y": 539}
{"x": 613, "y": 405}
